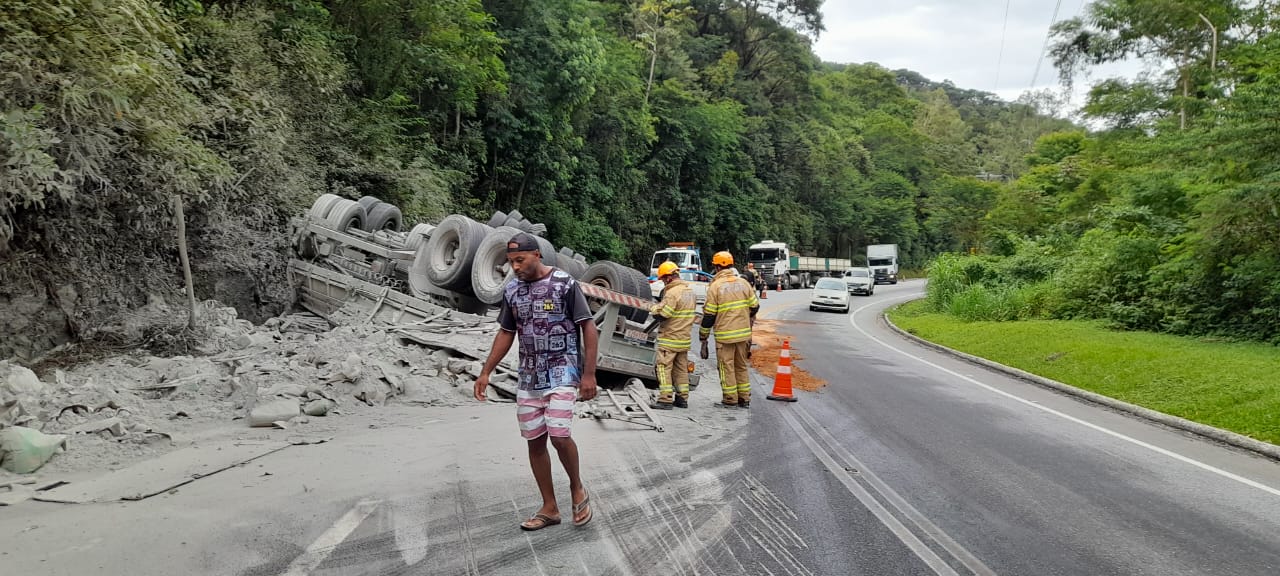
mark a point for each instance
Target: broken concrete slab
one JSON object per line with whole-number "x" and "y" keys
{"x": 268, "y": 413}
{"x": 162, "y": 474}
{"x": 351, "y": 367}
{"x": 318, "y": 407}
{"x": 458, "y": 365}
{"x": 113, "y": 424}
{"x": 285, "y": 389}
{"x": 20, "y": 381}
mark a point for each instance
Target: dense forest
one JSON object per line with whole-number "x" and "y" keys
{"x": 622, "y": 124}
{"x": 625, "y": 124}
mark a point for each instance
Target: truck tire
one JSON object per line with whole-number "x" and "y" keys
{"x": 320, "y": 208}
{"x": 572, "y": 267}
{"x": 450, "y": 252}
{"x": 517, "y": 224}
{"x": 566, "y": 252}
{"x": 418, "y": 236}
{"x": 619, "y": 278}
{"x": 548, "y": 250}
{"x": 383, "y": 216}
{"x": 345, "y": 214}
{"x": 490, "y": 270}
{"x": 498, "y": 219}
{"x": 538, "y": 229}
{"x": 515, "y": 215}
{"x": 639, "y": 289}
{"x": 369, "y": 202}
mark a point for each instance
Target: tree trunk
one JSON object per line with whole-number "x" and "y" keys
{"x": 180, "y": 223}
{"x": 653, "y": 61}
{"x": 1182, "y": 106}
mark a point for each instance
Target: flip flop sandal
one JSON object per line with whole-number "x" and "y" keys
{"x": 584, "y": 504}
{"x": 542, "y": 522}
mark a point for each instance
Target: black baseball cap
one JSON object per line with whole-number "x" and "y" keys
{"x": 522, "y": 242}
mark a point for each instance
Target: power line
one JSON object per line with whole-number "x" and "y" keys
{"x": 1045, "y": 48}
{"x": 1003, "y": 30}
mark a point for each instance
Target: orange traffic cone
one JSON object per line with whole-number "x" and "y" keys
{"x": 764, "y": 294}
{"x": 782, "y": 378}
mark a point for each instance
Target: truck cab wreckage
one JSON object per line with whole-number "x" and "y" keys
{"x": 436, "y": 285}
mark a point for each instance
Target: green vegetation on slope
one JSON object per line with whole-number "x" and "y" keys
{"x": 622, "y": 124}
{"x": 1226, "y": 385}
{"x": 1168, "y": 220}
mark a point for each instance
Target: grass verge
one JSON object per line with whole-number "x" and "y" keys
{"x": 1233, "y": 386}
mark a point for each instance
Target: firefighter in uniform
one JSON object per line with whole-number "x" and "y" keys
{"x": 676, "y": 311}
{"x": 729, "y": 312}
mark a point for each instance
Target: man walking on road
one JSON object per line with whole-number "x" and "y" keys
{"x": 729, "y": 312}
{"x": 676, "y": 311}
{"x": 546, "y": 308}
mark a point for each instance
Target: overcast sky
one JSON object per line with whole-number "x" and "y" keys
{"x": 957, "y": 40}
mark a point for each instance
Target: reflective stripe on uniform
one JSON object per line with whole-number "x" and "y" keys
{"x": 722, "y": 335}
{"x": 735, "y": 305}
{"x": 674, "y": 343}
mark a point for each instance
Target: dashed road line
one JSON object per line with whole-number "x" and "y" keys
{"x": 323, "y": 546}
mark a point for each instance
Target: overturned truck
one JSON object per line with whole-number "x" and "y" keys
{"x": 353, "y": 258}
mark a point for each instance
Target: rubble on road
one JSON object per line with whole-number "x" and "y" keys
{"x": 289, "y": 371}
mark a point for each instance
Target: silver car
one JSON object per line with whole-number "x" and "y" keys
{"x": 830, "y": 294}
{"x": 860, "y": 281}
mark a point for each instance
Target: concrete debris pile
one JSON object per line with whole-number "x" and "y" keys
{"x": 282, "y": 374}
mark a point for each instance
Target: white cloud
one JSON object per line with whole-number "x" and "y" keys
{"x": 957, "y": 40}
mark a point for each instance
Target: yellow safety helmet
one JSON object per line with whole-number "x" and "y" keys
{"x": 667, "y": 268}
{"x": 722, "y": 259}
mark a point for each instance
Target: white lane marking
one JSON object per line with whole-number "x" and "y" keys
{"x": 899, "y": 503}
{"x": 1038, "y": 406}
{"x": 329, "y": 541}
{"x": 921, "y": 550}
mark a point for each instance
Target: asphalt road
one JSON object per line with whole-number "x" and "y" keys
{"x": 971, "y": 472}
{"x": 908, "y": 463}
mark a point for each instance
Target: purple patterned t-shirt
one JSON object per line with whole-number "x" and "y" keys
{"x": 545, "y": 315}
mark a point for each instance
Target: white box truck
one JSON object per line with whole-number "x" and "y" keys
{"x": 882, "y": 259}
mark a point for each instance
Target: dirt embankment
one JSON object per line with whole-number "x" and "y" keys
{"x": 79, "y": 277}
{"x": 767, "y": 349}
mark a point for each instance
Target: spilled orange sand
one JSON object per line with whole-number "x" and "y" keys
{"x": 767, "y": 345}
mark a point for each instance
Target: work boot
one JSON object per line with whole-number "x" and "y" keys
{"x": 661, "y": 405}
{"x": 744, "y": 404}
{"x": 726, "y": 405}
{"x": 681, "y": 403}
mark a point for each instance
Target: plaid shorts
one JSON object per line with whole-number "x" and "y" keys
{"x": 546, "y": 411}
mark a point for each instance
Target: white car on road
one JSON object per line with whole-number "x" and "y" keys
{"x": 860, "y": 281}
{"x": 830, "y": 294}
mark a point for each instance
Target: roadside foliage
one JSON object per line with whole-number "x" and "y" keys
{"x": 627, "y": 124}
{"x": 1168, "y": 218}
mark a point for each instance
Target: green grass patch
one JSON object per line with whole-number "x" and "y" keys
{"x": 1234, "y": 386}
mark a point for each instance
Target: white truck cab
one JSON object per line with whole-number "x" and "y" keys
{"x": 684, "y": 254}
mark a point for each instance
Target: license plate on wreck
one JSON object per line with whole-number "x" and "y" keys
{"x": 635, "y": 336}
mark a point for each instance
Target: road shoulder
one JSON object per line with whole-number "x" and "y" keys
{"x": 1209, "y": 432}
